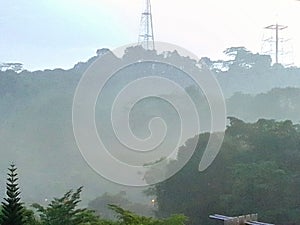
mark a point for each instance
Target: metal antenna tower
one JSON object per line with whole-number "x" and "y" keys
{"x": 146, "y": 37}
{"x": 276, "y": 43}
{"x": 277, "y": 28}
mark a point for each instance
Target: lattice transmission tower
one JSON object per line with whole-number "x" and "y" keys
{"x": 276, "y": 44}
{"x": 146, "y": 36}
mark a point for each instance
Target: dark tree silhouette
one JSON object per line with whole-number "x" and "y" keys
{"x": 12, "y": 209}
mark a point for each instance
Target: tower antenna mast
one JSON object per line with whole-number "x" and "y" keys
{"x": 277, "y": 28}
{"x": 146, "y": 36}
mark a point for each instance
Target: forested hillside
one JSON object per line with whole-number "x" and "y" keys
{"x": 256, "y": 171}
{"x": 36, "y": 113}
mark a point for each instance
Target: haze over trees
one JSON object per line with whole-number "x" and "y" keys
{"x": 256, "y": 171}
{"x": 99, "y": 205}
{"x": 65, "y": 210}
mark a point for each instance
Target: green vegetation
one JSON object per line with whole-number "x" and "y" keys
{"x": 65, "y": 211}
{"x": 257, "y": 171}
{"x": 41, "y": 102}
{"x": 99, "y": 205}
{"x": 126, "y": 217}
{"x": 12, "y": 209}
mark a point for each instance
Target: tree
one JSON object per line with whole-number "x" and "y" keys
{"x": 242, "y": 59}
{"x": 64, "y": 211}
{"x": 99, "y": 205}
{"x": 126, "y": 217}
{"x": 29, "y": 217}
{"x": 257, "y": 170}
{"x": 17, "y": 67}
{"x": 12, "y": 209}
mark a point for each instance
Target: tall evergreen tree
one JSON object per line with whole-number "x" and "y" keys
{"x": 12, "y": 209}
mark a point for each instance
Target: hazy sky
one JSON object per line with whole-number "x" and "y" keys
{"x": 59, "y": 33}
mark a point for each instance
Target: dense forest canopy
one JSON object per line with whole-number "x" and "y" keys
{"x": 257, "y": 170}
{"x": 36, "y": 127}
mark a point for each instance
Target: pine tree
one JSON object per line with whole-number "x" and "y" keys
{"x": 12, "y": 209}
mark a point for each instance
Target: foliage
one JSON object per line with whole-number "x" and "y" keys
{"x": 126, "y": 217}
{"x": 267, "y": 146}
{"x": 29, "y": 217}
{"x": 12, "y": 209}
{"x": 250, "y": 107}
{"x": 64, "y": 211}
{"x": 16, "y": 67}
{"x": 99, "y": 205}
{"x": 41, "y": 101}
{"x": 256, "y": 171}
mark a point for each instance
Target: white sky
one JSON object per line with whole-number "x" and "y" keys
{"x": 59, "y": 33}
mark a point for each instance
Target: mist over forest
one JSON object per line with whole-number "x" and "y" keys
{"x": 262, "y": 101}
